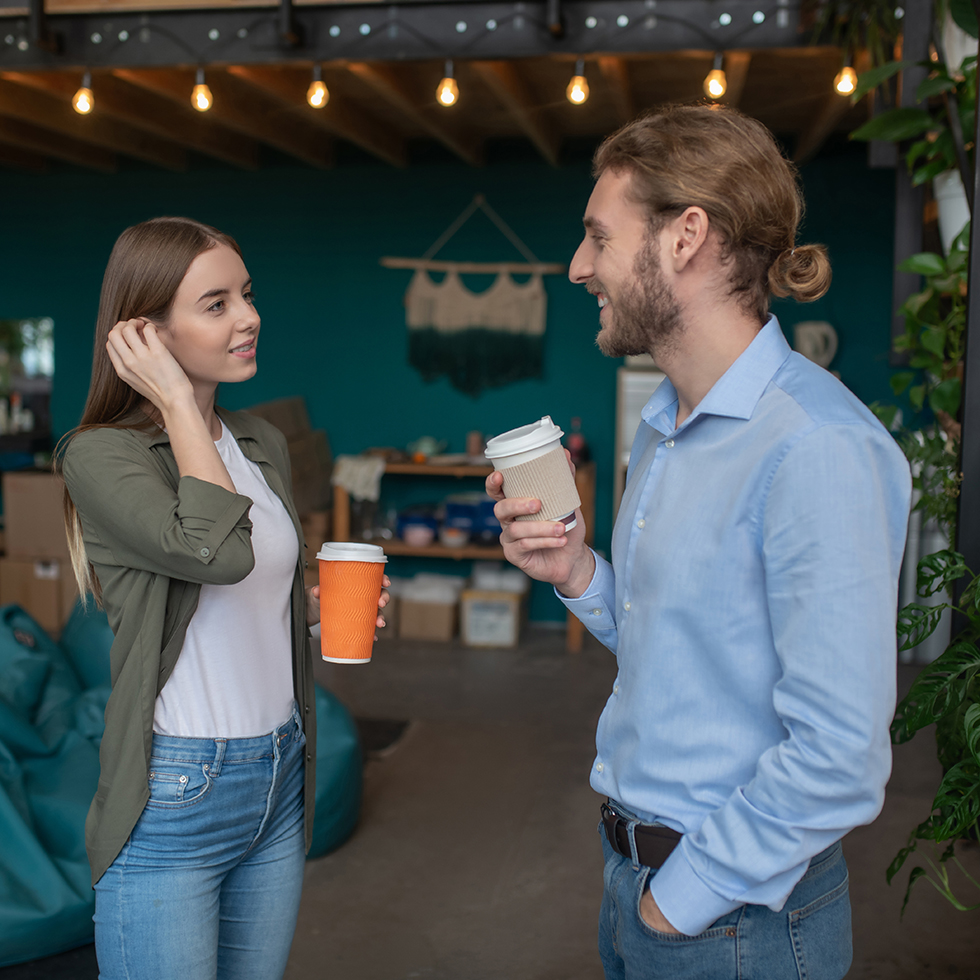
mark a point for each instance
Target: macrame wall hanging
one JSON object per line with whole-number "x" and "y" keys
{"x": 477, "y": 340}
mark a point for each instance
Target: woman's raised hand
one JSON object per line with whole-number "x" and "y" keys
{"x": 142, "y": 360}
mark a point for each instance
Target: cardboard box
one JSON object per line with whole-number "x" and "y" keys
{"x": 426, "y": 620}
{"x": 491, "y": 618}
{"x": 33, "y": 511}
{"x": 311, "y": 462}
{"x": 288, "y": 415}
{"x": 45, "y": 588}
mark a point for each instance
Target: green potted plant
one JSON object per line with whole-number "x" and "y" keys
{"x": 947, "y": 692}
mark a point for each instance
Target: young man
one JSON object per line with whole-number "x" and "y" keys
{"x": 752, "y": 593}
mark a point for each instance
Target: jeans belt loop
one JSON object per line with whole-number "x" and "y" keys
{"x": 631, "y": 837}
{"x": 220, "y": 744}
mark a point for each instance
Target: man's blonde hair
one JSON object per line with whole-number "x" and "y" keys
{"x": 716, "y": 158}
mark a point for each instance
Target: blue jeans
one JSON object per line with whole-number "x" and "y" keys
{"x": 810, "y": 939}
{"x": 208, "y": 884}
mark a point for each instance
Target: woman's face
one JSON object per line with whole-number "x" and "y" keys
{"x": 213, "y": 325}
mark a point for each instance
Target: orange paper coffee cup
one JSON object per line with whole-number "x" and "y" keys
{"x": 350, "y": 586}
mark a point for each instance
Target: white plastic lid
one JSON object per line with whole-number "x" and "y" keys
{"x": 351, "y": 551}
{"x": 524, "y": 439}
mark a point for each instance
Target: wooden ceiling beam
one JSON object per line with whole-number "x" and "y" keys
{"x": 615, "y": 71}
{"x": 384, "y": 82}
{"x": 336, "y": 116}
{"x": 15, "y": 157}
{"x": 152, "y": 113}
{"x": 39, "y": 108}
{"x": 240, "y": 108}
{"x": 25, "y": 136}
{"x": 503, "y": 79}
{"x": 736, "y": 66}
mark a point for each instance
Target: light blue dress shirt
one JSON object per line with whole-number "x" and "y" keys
{"x": 751, "y": 606}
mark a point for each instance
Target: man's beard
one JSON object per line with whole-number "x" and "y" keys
{"x": 646, "y": 317}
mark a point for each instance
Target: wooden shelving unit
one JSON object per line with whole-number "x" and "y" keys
{"x": 584, "y": 480}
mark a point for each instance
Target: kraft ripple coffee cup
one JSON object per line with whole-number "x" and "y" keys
{"x": 534, "y": 464}
{"x": 350, "y": 586}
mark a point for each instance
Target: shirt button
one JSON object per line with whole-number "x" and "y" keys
{"x": 596, "y": 612}
{"x": 599, "y": 767}
{"x": 641, "y": 523}
{"x": 626, "y": 606}
{"x": 616, "y": 689}
{"x": 669, "y": 443}
{"x": 205, "y": 552}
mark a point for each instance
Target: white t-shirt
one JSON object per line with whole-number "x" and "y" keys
{"x": 234, "y": 675}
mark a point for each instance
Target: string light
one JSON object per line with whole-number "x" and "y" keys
{"x": 201, "y": 97}
{"x": 317, "y": 94}
{"x": 846, "y": 80}
{"x": 715, "y": 85}
{"x": 578, "y": 88}
{"x": 83, "y": 102}
{"x": 448, "y": 91}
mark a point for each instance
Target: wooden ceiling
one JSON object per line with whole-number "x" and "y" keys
{"x": 388, "y": 109}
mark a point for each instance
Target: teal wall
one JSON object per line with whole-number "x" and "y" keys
{"x": 333, "y": 320}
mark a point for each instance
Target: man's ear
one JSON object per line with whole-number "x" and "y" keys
{"x": 688, "y": 233}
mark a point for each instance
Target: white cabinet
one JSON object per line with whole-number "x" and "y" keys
{"x": 633, "y": 391}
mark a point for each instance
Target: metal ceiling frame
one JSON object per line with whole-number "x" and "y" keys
{"x": 393, "y": 32}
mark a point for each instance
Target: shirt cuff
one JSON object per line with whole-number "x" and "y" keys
{"x": 230, "y": 510}
{"x": 594, "y": 606}
{"x": 686, "y": 902}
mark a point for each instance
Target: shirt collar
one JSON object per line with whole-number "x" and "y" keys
{"x": 159, "y": 437}
{"x": 736, "y": 393}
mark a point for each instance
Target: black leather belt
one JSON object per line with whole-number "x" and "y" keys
{"x": 653, "y": 844}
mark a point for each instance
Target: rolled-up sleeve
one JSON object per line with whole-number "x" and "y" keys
{"x": 133, "y": 517}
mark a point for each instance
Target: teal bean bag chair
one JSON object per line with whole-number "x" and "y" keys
{"x": 52, "y": 704}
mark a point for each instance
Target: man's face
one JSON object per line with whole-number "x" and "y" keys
{"x": 619, "y": 263}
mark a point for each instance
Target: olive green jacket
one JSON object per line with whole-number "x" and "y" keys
{"x": 154, "y": 539}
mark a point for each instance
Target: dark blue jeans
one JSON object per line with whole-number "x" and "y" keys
{"x": 810, "y": 939}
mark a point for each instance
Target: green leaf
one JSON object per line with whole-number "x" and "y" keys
{"x": 933, "y": 339}
{"x": 886, "y": 414}
{"x": 896, "y": 125}
{"x": 916, "y": 301}
{"x": 917, "y": 872}
{"x": 917, "y": 396}
{"x": 934, "y": 86}
{"x": 961, "y": 243}
{"x": 964, "y": 14}
{"x": 916, "y": 622}
{"x": 938, "y": 690}
{"x": 925, "y": 264}
{"x": 932, "y": 169}
{"x": 901, "y": 380}
{"x": 939, "y": 571}
{"x": 945, "y": 397}
{"x": 928, "y": 360}
{"x": 971, "y": 731}
{"x": 872, "y": 78}
{"x": 958, "y": 800}
{"x": 898, "y": 861}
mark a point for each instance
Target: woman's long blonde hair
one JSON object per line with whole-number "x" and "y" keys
{"x": 146, "y": 267}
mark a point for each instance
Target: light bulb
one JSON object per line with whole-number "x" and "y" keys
{"x": 83, "y": 102}
{"x": 317, "y": 94}
{"x": 448, "y": 91}
{"x": 577, "y": 91}
{"x": 201, "y": 97}
{"x": 846, "y": 81}
{"x": 715, "y": 85}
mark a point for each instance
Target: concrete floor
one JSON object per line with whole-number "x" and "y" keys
{"x": 477, "y": 857}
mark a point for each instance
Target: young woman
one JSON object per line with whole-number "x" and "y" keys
{"x": 181, "y": 522}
